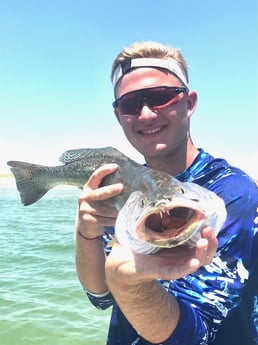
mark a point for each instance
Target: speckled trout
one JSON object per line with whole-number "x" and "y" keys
{"x": 155, "y": 210}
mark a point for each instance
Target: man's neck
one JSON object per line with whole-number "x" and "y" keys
{"x": 176, "y": 163}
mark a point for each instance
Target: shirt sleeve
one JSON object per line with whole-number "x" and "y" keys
{"x": 100, "y": 301}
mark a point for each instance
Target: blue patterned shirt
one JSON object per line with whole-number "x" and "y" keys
{"x": 219, "y": 302}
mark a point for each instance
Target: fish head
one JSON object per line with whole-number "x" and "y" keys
{"x": 168, "y": 217}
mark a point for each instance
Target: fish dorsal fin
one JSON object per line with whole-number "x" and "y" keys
{"x": 78, "y": 154}
{"x": 73, "y": 155}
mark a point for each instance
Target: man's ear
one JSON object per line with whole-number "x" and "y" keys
{"x": 191, "y": 102}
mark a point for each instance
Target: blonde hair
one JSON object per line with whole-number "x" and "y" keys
{"x": 150, "y": 49}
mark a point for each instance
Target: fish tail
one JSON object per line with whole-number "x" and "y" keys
{"x": 30, "y": 187}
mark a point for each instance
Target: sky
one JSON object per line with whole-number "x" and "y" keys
{"x": 56, "y": 58}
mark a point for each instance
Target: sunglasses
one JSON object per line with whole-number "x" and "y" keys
{"x": 157, "y": 97}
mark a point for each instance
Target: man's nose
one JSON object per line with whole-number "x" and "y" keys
{"x": 146, "y": 112}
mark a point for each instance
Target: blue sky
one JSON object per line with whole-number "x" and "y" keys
{"x": 55, "y": 63}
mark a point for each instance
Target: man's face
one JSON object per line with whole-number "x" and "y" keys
{"x": 155, "y": 132}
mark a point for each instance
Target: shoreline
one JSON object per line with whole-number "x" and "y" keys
{"x": 7, "y": 181}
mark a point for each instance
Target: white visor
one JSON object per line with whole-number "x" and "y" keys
{"x": 170, "y": 64}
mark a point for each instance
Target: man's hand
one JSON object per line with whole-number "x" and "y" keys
{"x": 95, "y": 207}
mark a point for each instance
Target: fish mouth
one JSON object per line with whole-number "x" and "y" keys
{"x": 169, "y": 225}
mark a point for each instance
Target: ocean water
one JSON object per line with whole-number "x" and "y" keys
{"x": 41, "y": 299}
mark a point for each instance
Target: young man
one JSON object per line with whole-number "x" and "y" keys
{"x": 197, "y": 292}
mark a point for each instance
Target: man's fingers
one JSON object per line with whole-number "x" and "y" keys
{"x": 104, "y": 208}
{"x": 98, "y": 175}
{"x": 92, "y": 191}
{"x": 101, "y": 193}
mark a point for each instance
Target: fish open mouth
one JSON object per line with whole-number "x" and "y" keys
{"x": 173, "y": 219}
{"x": 170, "y": 227}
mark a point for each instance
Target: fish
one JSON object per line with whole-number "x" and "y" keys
{"x": 155, "y": 210}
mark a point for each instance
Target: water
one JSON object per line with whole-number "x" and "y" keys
{"x": 41, "y": 300}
